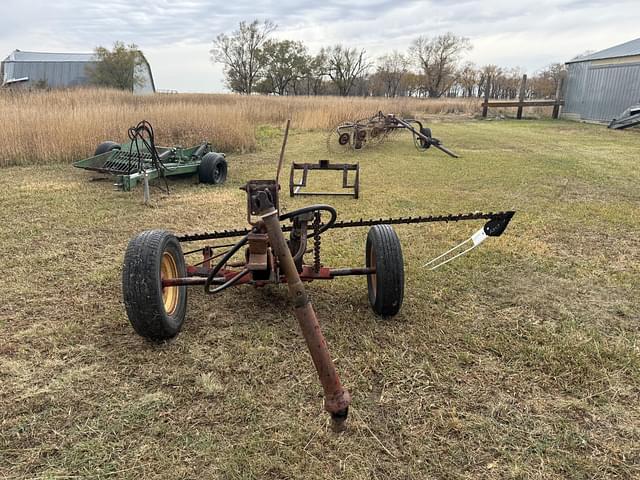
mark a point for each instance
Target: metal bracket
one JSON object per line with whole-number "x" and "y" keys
{"x": 260, "y": 194}
{"x": 295, "y": 187}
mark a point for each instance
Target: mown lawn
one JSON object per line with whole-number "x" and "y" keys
{"x": 520, "y": 360}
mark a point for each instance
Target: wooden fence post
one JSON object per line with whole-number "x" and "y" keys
{"x": 523, "y": 87}
{"x": 556, "y": 107}
{"x": 485, "y": 106}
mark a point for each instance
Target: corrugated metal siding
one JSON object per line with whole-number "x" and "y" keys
{"x": 65, "y": 74}
{"x": 601, "y": 93}
{"x": 56, "y": 74}
{"x": 7, "y": 71}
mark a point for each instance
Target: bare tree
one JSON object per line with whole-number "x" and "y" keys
{"x": 345, "y": 66}
{"x": 315, "y": 73}
{"x": 468, "y": 78}
{"x": 391, "y": 69}
{"x": 547, "y": 81}
{"x": 240, "y": 54}
{"x": 438, "y": 58}
{"x": 489, "y": 75}
{"x": 412, "y": 84}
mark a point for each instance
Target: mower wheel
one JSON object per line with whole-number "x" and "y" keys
{"x": 212, "y": 169}
{"x": 105, "y": 147}
{"x": 386, "y": 285}
{"x": 155, "y": 312}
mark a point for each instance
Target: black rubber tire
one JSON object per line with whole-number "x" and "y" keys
{"x": 212, "y": 169}
{"x": 142, "y": 288}
{"x": 427, "y": 133}
{"x": 105, "y": 147}
{"x": 386, "y": 286}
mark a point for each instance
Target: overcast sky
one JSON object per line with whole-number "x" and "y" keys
{"x": 176, "y": 36}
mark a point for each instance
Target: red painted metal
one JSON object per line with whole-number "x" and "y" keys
{"x": 336, "y": 397}
{"x": 197, "y": 276}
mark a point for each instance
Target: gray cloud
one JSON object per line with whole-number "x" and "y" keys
{"x": 176, "y": 36}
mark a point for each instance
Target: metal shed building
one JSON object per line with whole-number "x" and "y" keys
{"x": 60, "y": 70}
{"x": 602, "y": 85}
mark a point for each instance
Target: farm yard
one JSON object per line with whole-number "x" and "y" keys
{"x": 519, "y": 360}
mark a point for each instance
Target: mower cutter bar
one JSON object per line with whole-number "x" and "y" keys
{"x": 503, "y": 217}
{"x": 460, "y": 217}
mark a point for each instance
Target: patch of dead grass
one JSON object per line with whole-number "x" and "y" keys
{"x": 519, "y": 361}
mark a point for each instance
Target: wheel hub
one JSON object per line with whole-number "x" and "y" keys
{"x": 169, "y": 269}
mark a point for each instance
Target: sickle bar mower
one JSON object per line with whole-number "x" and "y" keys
{"x": 156, "y": 273}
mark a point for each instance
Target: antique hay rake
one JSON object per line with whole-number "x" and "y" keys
{"x": 372, "y": 131}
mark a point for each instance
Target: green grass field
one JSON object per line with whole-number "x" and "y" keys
{"x": 520, "y": 360}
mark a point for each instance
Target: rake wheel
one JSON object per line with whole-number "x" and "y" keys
{"x": 339, "y": 140}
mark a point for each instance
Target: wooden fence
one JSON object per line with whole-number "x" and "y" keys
{"x": 521, "y": 103}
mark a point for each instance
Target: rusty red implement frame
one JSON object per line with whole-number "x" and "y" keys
{"x": 156, "y": 274}
{"x": 372, "y": 131}
{"x": 197, "y": 276}
{"x": 269, "y": 258}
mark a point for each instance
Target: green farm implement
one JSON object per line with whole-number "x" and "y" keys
{"x": 140, "y": 158}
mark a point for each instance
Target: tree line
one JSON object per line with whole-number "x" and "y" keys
{"x": 254, "y": 62}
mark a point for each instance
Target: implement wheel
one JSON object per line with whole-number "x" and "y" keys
{"x": 422, "y": 143}
{"x": 343, "y": 139}
{"x": 212, "y": 169}
{"x": 105, "y": 147}
{"x": 386, "y": 286}
{"x": 155, "y": 312}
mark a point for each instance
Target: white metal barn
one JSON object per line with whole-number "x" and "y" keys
{"x": 60, "y": 70}
{"x": 604, "y": 84}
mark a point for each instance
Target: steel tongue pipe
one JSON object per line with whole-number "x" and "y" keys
{"x": 336, "y": 397}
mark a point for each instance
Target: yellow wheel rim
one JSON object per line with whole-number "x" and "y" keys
{"x": 168, "y": 269}
{"x": 372, "y": 264}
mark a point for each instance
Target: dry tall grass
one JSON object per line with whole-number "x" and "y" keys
{"x": 518, "y": 361}
{"x": 45, "y": 127}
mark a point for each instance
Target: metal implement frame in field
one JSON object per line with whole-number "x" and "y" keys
{"x": 352, "y": 187}
{"x": 140, "y": 159}
{"x": 129, "y": 167}
{"x": 156, "y": 273}
{"x": 375, "y": 130}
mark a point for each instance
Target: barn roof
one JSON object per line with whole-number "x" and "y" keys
{"x": 626, "y": 49}
{"x": 20, "y": 56}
